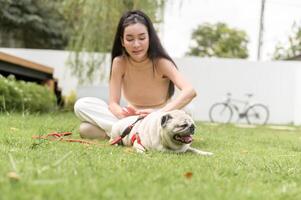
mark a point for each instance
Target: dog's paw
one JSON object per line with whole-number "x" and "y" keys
{"x": 199, "y": 152}
{"x": 204, "y": 153}
{"x": 139, "y": 148}
{"x": 140, "y": 151}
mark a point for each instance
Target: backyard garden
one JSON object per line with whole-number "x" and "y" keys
{"x": 249, "y": 162}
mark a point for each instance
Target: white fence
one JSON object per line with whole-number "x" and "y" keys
{"x": 275, "y": 84}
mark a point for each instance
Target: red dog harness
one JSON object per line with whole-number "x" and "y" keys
{"x": 136, "y": 137}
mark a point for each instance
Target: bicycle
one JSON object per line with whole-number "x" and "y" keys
{"x": 222, "y": 112}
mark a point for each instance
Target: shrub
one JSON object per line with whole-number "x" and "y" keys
{"x": 69, "y": 101}
{"x": 25, "y": 96}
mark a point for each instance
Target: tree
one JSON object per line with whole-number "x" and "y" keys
{"x": 32, "y": 24}
{"x": 86, "y": 26}
{"x": 94, "y": 24}
{"x": 218, "y": 40}
{"x": 293, "y": 48}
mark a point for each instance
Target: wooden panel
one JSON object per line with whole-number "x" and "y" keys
{"x": 25, "y": 63}
{"x": 21, "y": 71}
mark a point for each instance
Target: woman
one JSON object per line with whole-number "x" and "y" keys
{"x": 142, "y": 71}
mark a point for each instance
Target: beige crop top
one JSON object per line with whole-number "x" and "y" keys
{"x": 143, "y": 86}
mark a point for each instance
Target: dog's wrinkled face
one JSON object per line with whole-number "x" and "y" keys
{"x": 179, "y": 126}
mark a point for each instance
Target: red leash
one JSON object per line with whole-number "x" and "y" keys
{"x": 60, "y": 137}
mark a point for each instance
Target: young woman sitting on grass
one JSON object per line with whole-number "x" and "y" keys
{"x": 142, "y": 71}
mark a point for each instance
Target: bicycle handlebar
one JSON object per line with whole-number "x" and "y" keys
{"x": 249, "y": 95}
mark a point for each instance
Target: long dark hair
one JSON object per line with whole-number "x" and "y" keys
{"x": 155, "y": 49}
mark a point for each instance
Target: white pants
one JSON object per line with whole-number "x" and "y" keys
{"x": 96, "y": 112}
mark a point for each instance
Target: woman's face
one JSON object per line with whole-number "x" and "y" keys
{"x": 136, "y": 41}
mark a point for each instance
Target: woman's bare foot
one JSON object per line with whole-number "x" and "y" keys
{"x": 90, "y": 131}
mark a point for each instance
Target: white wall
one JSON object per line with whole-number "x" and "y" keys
{"x": 297, "y": 98}
{"x": 275, "y": 84}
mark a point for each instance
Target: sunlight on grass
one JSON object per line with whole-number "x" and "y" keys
{"x": 249, "y": 163}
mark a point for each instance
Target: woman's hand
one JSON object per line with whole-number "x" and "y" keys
{"x": 145, "y": 112}
{"x": 129, "y": 111}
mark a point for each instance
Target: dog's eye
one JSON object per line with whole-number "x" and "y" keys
{"x": 183, "y": 126}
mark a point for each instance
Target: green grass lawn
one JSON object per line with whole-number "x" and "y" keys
{"x": 249, "y": 163}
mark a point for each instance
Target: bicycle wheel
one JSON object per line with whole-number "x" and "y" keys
{"x": 257, "y": 114}
{"x": 220, "y": 113}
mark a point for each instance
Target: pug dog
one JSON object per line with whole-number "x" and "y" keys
{"x": 163, "y": 131}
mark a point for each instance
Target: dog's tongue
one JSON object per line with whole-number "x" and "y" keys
{"x": 186, "y": 139}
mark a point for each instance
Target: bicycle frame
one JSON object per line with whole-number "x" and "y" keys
{"x": 240, "y": 110}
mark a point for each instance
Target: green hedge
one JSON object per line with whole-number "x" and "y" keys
{"x": 24, "y": 96}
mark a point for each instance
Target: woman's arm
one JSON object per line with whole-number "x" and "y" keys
{"x": 187, "y": 92}
{"x": 115, "y": 87}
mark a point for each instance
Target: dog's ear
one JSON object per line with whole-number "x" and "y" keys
{"x": 165, "y": 119}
